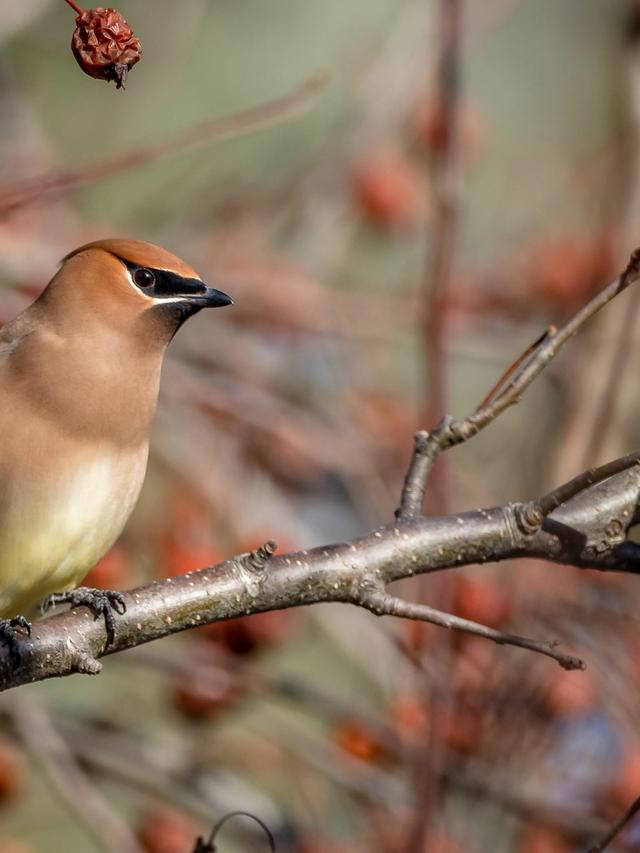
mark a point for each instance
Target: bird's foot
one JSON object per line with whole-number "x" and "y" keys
{"x": 10, "y": 631}
{"x": 102, "y": 603}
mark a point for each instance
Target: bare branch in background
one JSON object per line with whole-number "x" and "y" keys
{"x": 518, "y": 378}
{"x": 617, "y": 828}
{"x": 446, "y": 179}
{"x": 57, "y": 183}
{"x": 73, "y": 786}
{"x": 442, "y": 238}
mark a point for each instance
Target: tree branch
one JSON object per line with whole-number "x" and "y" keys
{"x": 70, "y": 782}
{"x": 383, "y": 604}
{"x": 618, "y": 826}
{"x": 511, "y": 386}
{"x": 589, "y": 531}
{"x": 57, "y": 183}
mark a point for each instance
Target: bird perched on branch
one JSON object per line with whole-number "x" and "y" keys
{"x": 79, "y": 377}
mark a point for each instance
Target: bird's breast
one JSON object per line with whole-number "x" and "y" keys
{"x": 53, "y": 531}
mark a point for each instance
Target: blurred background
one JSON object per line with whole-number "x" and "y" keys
{"x": 467, "y": 176}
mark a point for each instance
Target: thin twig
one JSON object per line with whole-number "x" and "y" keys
{"x": 619, "y": 825}
{"x": 383, "y": 604}
{"x": 620, "y": 361}
{"x": 416, "y": 479}
{"x": 75, "y": 7}
{"x": 513, "y": 370}
{"x": 70, "y": 783}
{"x": 427, "y": 448}
{"x": 564, "y": 493}
{"x": 122, "y": 758}
{"x": 550, "y": 347}
{"x": 209, "y": 846}
{"x": 442, "y": 238}
{"x": 57, "y": 183}
{"x": 451, "y": 432}
{"x": 533, "y": 514}
{"x": 625, "y": 210}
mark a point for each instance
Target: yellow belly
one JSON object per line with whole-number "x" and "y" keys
{"x": 51, "y": 538}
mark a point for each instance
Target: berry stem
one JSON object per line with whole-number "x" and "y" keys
{"x": 75, "y": 7}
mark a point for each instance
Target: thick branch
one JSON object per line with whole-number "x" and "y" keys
{"x": 532, "y": 514}
{"x": 588, "y": 531}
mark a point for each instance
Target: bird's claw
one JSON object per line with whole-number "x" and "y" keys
{"x": 10, "y": 630}
{"x": 101, "y": 602}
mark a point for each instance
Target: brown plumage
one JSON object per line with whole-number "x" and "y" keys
{"x": 79, "y": 377}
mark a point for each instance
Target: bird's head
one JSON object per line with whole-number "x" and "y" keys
{"x": 122, "y": 281}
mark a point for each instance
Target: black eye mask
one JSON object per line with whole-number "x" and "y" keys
{"x": 163, "y": 284}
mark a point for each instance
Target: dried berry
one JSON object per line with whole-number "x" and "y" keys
{"x": 104, "y": 45}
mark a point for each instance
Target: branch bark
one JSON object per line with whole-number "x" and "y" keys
{"x": 589, "y": 531}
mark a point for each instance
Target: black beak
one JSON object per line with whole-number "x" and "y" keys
{"x": 209, "y": 298}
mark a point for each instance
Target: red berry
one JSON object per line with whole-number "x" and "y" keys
{"x": 166, "y": 830}
{"x": 389, "y": 191}
{"x": 112, "y": 572}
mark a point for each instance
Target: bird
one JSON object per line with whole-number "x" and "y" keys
{"x": 79, "y": 379}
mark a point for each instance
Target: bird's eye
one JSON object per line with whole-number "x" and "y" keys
{"x": 144, "y": 277}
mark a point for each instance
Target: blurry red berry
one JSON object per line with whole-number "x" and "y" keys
{"x": 440, "y": 842}
{"x": 561, "y": 271}
{"x": 462, "y": 729}
{"x": 250, "y": 634}
{"x": 481, "y": 599}
{"x": 570, "y": 693}
{"x": 13, "y": 770}
{"x": 409, "y": 716}
{"x": 112, "y": 572}
{"x": 567, "y": 270}
{"x": 431, "y": 128}
{"x": 185, "y": 542}
{"x": 354, "y": 738}
{"x": 390, "y": 192}
{"x": 627, "y": 785}
{"x": 104, "y": 45}
{"x": 180, "y": 558}
{"x": 165, "y": 830}
{"x": 539, "y": 838}
{"x": 200, "y": 696}
{"x": 475, "y": 666}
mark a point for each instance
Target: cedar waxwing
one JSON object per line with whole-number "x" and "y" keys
{"x": 79, "y": 376}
